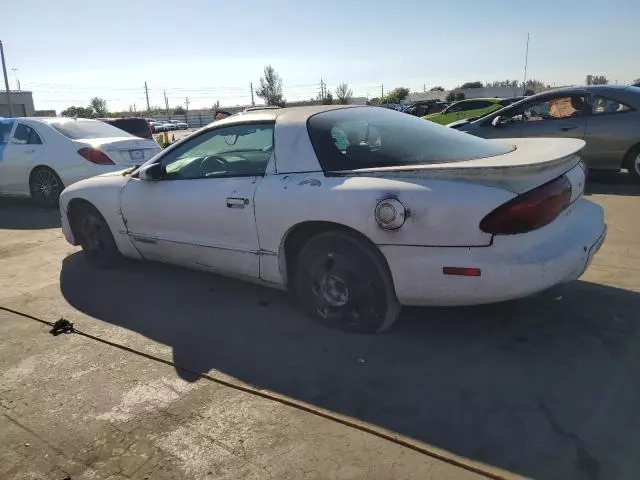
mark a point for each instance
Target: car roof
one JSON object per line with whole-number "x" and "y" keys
{"x": 490, "y": 99}
{"x": 288, "y": 114}
{"x": 50, "y": 120}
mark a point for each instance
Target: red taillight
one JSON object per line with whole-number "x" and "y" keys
{"x": 462, "y": 271}
{"x": 531, "y": 210}
{"x": 95, "y": 156}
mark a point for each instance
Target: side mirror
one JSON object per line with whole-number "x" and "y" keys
{"x": 496, "y": 121}
{"x": 153, "y": 172}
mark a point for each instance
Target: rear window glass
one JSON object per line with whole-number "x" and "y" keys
{"x": 88, "y": 129}
{"x": 135, "y": 126}
{"x": 369, "y": 137}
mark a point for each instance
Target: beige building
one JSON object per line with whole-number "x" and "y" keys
{"x": 21, "y": 102}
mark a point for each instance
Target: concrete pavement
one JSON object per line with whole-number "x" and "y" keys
{"x": 543, "y": 387}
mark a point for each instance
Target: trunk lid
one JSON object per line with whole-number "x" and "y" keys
{"x": 533, "y": 162}
{"x": 126, "y": 151}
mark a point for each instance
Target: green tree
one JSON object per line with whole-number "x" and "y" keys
{"x": 80, "y": 112}
{"x": 179, "y": 110}
{"x": 374, "y": 101}
{"x": 460, "y": 96}
{"x": 271, "y": 87}
{"x": 451, "y": 96}
{"x": 99, "y": 106}
{"x": 636, "y": 82}
{"x": 596, "y": 80}
{"x": 533, "y": 84}
{"x": 343, "y": 93}
{"x": 472, "y": 85}
{"x": 328, "y": 99}
{"x": 437, "y": 89}
{"x": 396, "y": 95}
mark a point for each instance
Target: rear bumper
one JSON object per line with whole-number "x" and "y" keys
{"x": 513, "y": 266}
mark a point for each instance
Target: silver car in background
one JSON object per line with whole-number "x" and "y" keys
{"x": 607, "y": 117}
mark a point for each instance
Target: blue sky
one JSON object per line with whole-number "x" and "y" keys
{"x": 67, "y": 51}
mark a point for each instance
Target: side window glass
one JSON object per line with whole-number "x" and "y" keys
{"x": 473, "y": 105}
{"x": 33, "y": 138}
{"x": 6, "y": 125}
{"x": 602, "y": 105}
{"x": 556, "y": 109}
{"x": 241, "y": 150}
{"x": 481, "y": 104}
{"x": 21, "y": 135}
{"x": 25, "y": 135}
{"x": 513, "y": 116}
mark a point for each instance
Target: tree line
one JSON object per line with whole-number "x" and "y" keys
{"x": 271, "y": 92}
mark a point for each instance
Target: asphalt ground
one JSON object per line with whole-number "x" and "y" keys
{"x": 545, "y": 387}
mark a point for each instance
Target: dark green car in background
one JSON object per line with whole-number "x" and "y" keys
{"x": 471, "y": 108}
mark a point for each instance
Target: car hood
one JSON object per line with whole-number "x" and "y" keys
{"x": 102, "y": 186}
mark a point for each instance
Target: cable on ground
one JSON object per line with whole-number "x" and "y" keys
{"x": 64, "y": 326}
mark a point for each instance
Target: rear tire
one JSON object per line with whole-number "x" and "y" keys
{"x": 97, "y": 242}
{"x": 632, "y": 162}
{"x": 45, "y": 187}
{"x": 344, "y": 284}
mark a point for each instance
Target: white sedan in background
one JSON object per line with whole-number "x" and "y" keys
{"x": 40, "y": 156}
{"x": 357, "y": 210}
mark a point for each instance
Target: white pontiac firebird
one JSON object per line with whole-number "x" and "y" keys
{"x": 356, "y": 210}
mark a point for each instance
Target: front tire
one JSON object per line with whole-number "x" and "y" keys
{"x": 97, "y": 242}
{"x": 632, "y": 162}
{"x": 344, "y": 284}
{"x": 45, "y": 187}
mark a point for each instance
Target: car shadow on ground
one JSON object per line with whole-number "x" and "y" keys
{"x": 24, "y": 214}
{"x": 612, "y": 183}
{"x": 546, "y": 387}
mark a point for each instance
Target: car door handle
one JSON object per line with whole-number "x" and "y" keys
{"x": 237, "y": 202}
{"x": 30, "y": 151}
{"x": 567, "y": 128}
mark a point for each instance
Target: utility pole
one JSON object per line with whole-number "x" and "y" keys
{"x": 526, "y": 62}
{"x": 166, "y": 104}
{"x": 15, "y": 74}
{"x": 6, "y": 80}
{"x": 134, "y": 108}
{"x": 253, "y": 104}
{"x": 146, "y": 92}
{"x": 381, "y": 91}
{"x": 424, "y": 87}
{"x": 323, "y": 90}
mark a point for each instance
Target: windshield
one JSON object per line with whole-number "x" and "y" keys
{"x": 88, "y": 129}
{"x": 369, "y": 137}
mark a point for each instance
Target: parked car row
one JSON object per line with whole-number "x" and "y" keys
{"x": 607, "y": 117}
{"x": 158, "y": 126}
{"x": 377, "y": 202}
{"x": 365, "y": 210}
{"x": 473, "y": 107}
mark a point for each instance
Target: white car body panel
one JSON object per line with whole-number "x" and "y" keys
{"x": 190, "y": 222}
{"x": 514, "y": 266}
{"x": 196, "y": 227}
{"x": 60, "y": 154}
